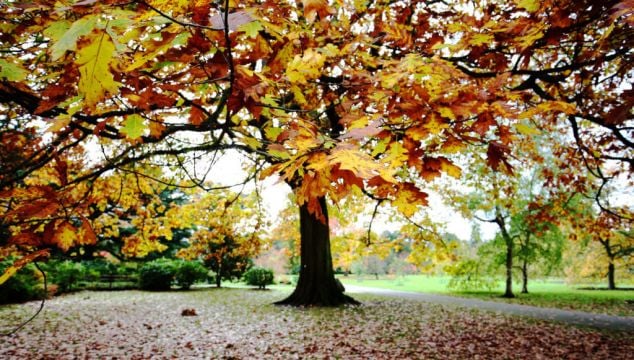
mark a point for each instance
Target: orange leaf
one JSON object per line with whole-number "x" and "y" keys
{"x": 196, "y": 115}
{"x": 61, "y": 234}
{"x": 86, "y": 234}
{"x": 312, "y": 8}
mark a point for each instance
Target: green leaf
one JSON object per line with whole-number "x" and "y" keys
{"x": 68, "y": 41}
{"x": 251, "y": 29}
{"x": 133, "y": 126}
{"x": 57, "y": 30}
{"x": 11, "y": 71}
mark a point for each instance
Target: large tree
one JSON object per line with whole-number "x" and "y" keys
{"x": 329, "y": 95}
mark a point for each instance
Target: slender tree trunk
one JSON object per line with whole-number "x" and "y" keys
{"x": 499, "y": 219}
{"x": 316, "y": 285}
{"x": 611, "y": 270}
{"x": 524, "y": 276}
{"x": 508, "y": 291}
{"x": 218, "y": 277}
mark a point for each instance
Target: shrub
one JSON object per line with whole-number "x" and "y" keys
{"x": 22, "y": 286}
{"x": 67, "y": 275}
{"x": 259, "y": 277}
{"x": 157, "y": 275}
{"x": 467, "y": 275}
{"x": 189, "y": 272}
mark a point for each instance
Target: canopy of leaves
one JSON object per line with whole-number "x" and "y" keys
{"x": 333, "y": 97}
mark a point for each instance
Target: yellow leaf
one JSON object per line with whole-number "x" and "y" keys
{"x": 96, "y": 80}
{"x": 352, "y": 159}
{"x": 526, "y": 129}
{"x": 449, "y": 168}
{"x": 65, "y": 236}
{"x": 408, "y": 198}
{"x": 435, "y": 124}
{"x": 396, "y": 155}
{"x": 305, "y": 67}
{"x": 446, "y": 112}
{"x": 528, "y": 5}
{"x": 481, "y": 39}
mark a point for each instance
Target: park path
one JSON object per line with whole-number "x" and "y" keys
{"x": 579, "y": 318}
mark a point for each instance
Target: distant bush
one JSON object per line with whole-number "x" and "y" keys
{"x": 66, "y": 275}
{"x": 259, "y": 277}
{"x": 22, "y": 286}
{"x": 467, "y": 275}
{"x": 157, "y": 275}
{"x": 189, "y": 272}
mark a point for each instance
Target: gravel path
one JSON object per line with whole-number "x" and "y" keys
{"x": 579, "y": 318}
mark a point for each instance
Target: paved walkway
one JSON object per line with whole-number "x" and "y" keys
{"x": 580, "y": 318}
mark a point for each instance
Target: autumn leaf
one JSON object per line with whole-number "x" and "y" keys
{"x": 409, "y": 198}
{"x": 235, "y": 20}
{"x": 372, "y": 129}
{"x": 251, "y": 29}
{"x": 96, "y": 81}
{"x": 305, "y": 67}
{"x": 496, "y": 157}
{"x": 314, "y": 8}
{"x": 133, "y": 126}
{"x": 526, "y": 129}
{"x": 68, "y": 41}
{"x": 450, "y": 168}
{"x": 348, "y": 158}
{"x": 11, "y": 71}
{"x": 196, "y": 115}
{"x": 86, "y": 234}
{"x": 529, "y": 5}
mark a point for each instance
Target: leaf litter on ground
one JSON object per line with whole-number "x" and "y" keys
{"x": 243, "y": 324}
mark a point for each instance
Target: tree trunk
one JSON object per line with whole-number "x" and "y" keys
{"x": 499, "y": 219}
{"x": 218, "y": 277}
{"x": 611, "y": 270}
{"x": 508, "y": 291}
{"x": 316, "y": 285}
{"x": 524, "y": 276}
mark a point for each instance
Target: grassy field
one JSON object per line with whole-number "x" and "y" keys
{"x": 238, "y": 323}
{"x": 541, "y": 293}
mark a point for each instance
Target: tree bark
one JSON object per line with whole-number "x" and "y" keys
{"x": 611, "y": 281}
{"x": 499, "y": 219}
{"x": 218, "y": 276}
{"x": 508, "y": 291}
{"x": 524, "y": 276}
{"x": 316, "y": 285}
{"x": 611, "y": 268}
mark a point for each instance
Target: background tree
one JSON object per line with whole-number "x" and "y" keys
{"x": 226, "y": 236}
{"x": 611, "y": 232}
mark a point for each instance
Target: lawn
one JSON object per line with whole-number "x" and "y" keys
{"x": 541, "y": 293}
{"x": 240, "y": 323}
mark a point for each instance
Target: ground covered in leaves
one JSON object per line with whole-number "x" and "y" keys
{"x": 242, "y": 324}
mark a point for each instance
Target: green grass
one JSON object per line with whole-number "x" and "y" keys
{"x": 541, "y": 293}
